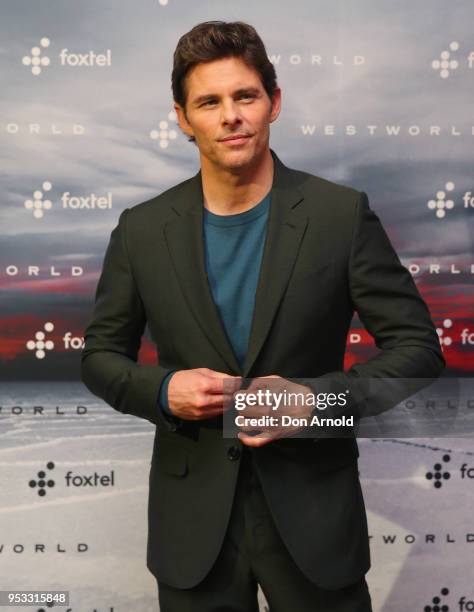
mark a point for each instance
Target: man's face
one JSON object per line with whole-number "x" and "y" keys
{"x": 226, "y": 99}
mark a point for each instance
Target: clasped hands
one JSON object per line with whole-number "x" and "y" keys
{"x": 202, "y": 393}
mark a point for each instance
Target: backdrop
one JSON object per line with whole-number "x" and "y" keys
{"x": 377, "y": 96}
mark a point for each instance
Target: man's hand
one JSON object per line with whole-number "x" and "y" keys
{"x": 275, "y": 384}
{"x": 199, "y": 393}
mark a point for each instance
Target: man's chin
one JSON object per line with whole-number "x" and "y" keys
{"x": 238, "y": 160}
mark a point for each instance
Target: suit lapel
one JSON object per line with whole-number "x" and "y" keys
{"x": 286, "y": 227}
{"x": 184, "y": 238}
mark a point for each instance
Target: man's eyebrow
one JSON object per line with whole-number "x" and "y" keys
{"x": 238, "y": 92}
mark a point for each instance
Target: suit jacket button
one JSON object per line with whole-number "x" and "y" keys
{"x": 233, "y": 453}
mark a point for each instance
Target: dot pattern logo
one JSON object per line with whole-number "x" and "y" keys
{"x": 437, "y": 475}
{"x": 441, "y": 204}
{"x": 437, "y": 604}
{"x": 36, "y": 60}
{"x": 164, "y": 134}
{"x": 42, "y": 484}
{"x": 443, "y": 339}
{"x": 40, "y": 345}
{"x": 445, "y": 63}
{"x": 37, "y": 204}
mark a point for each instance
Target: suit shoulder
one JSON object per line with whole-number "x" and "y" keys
{"x": 311, "y": 185}
{"x": 159, "y": 204}
{"x": 325, "y": 197}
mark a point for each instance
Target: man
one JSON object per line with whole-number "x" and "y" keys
{"x": 248, "y": 269}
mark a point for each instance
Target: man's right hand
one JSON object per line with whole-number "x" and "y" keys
{"x": 199, "y": 393}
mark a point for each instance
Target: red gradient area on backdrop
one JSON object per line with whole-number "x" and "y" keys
{"x": 147, "y": 353}
{"x": 450, "y": 306}
{"x": 79, "y": 285}
{"x": 15, "y": 332}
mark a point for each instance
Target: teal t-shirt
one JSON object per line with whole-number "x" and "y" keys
{"x": 234, "y": 248}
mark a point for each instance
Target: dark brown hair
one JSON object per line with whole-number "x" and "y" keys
{"x": 212, "y": 40}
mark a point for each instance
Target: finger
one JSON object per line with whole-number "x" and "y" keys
{"x": 254, "y": 441}
{"x": 216, "y": 374}
{"x": 226, "y": 386}
{"x": 213, "y": 400}
{"x": 209, "y": 414}
{"x": 249, "y": 428}
{"x": 204, "y": 413}
{"x": 262, "y": 382}
{"x": 233, "y": 384}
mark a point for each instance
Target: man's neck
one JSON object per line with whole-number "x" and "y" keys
{"x": 227, "y": 193}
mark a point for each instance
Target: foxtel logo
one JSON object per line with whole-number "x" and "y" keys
{"x": 37, "y": 61}
{"x": 90, "y": 202}
{"x": 40, "y": 343}
{"x": 448, "y": 61}
{"x": 90, "y": 480}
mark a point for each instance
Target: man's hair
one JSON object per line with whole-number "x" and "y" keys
{"x": 212, "y": 40}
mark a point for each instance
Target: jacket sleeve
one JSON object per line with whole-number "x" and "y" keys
{"x": 109, "y": 366}
{"x": 393, "y": 312}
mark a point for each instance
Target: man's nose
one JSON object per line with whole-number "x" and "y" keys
{"x": 230, "y": 113}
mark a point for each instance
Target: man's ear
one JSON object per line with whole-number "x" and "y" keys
{"x": 276, "y": 105}
{"x": 182, "y": 121}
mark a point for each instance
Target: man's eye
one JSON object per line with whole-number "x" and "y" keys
{"x": 248, "y": 96}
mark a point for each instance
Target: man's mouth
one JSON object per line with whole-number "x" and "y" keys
{"x": 235, "y": 138}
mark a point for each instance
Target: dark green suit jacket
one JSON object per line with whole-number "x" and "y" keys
{"x": 326, "y": 255}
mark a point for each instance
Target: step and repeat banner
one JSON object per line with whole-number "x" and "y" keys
{"x": 377, "y": 96}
